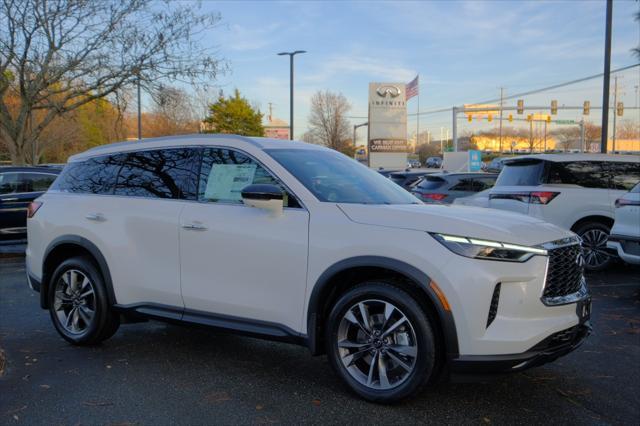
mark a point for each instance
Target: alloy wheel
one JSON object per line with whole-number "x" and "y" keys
{"x": 74, "y": 301}
{"x": 594, "y": 246}
{"x": 377, "y": 344}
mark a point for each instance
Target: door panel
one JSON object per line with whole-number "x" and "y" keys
{"x": 245, "y": 262}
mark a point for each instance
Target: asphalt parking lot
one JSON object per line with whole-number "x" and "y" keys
{"x": 153, "y": 373}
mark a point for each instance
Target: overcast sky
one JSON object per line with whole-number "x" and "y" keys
{"x": 463, "y": 51}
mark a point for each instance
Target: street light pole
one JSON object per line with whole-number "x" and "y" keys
{"x": 607, "y": 75}
{"x": 139, "y": 111}
{"x": 291, "y": 55}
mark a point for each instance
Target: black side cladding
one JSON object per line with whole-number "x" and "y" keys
{"x": 493, "y": 307}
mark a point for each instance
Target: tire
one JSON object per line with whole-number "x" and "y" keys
{"x": 401, "y": 352}
{"x": 77, "y": 286}
{"x": 596, "y": 255}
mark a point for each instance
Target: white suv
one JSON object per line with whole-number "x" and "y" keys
{"x": 573, "y": 191}
{"x": 299, "y": 243}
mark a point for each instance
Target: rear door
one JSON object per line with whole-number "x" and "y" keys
{"x": 623, "y": 177}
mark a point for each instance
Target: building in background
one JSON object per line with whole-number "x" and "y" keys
{"x": 276, "y": 128}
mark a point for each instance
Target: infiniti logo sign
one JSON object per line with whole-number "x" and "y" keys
{"x": 387, "y": 90}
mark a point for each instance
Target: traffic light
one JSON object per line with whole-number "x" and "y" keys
{"x": 529, "y": 117}
{"x": 510, "y": 118}
{"x": 620, "y": 109}
{"x": 554, "y": 107}
{"x": 520, "y": 106}
{"x": 586, "y": 107}
{"x": 490, "y": 118}
{"x": 470, "y": 118}
{"x": 548, "y": 119}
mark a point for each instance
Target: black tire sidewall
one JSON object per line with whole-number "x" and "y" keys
{"x": 93, "y": 333}
{"x": 425, "y": 362}
{"x": 584, "y": 228}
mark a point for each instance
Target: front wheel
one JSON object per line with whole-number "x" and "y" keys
{"x": 380, "y": 342}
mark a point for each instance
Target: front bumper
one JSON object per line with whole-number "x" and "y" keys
{"x": 627, "y": 248}
{"x": 548, "y": 350}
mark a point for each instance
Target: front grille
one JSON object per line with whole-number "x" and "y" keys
{"x": 564, "y": 275}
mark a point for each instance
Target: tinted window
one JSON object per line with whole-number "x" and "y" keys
{"x": 624, "y": 175}
{"x": 431, "y": 183}
{"x": 334, "y": 177}
{"x": 36, "y": 182}
{"x": 484, "y": 183}
{"x": 588, "y": 174}
{"x": 225, "y": 172}
{"x": 92, "y": 176}
{"x": 8, "y": 183}
{"x": 464, "y": 185}
{"x": 163, "y": 173}
{"x": 521, "y": 173}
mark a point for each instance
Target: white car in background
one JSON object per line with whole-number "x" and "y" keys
{"x": 625, "y": 234}
{"x": 574, "y": 191}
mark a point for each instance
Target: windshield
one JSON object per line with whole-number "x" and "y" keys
{"x": 521, "y": 173}
{"x": 334, "y": 177}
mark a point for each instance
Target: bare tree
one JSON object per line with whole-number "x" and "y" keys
{"x": 174, "y": 111}
{"x": 328, "y": 123}
{"x": 56, "y": 56}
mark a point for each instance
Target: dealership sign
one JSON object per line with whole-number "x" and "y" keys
{"x": 387, "y": 125}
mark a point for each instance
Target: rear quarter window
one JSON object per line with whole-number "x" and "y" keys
{"x": 92, "y": 176}
{"x": 588, "y": 174}
{"x": 521, "y": 173}
{"x": 625, "y": 175}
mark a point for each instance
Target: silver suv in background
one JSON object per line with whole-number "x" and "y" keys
{"x": 625, "y": 234}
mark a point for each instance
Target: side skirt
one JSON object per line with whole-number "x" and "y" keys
{"x": 236, "y": 325}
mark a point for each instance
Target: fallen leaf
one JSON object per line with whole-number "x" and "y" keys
{"x": 486, "y": 420}
{"x": 259, "y": 407}
{"x": 45, "y": 386}
{"x": 315, "y": 402}
{"x": 216, "y": 397}
{"x": 97, "y": 403}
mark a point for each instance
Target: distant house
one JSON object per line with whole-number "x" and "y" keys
{"x": 276, "y": 128}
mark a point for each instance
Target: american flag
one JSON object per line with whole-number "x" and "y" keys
{"x": 412, "y": 88}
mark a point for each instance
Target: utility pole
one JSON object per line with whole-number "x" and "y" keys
{"x": 545, "y": 136}
{"x": 607, "y": 75}
{"x": 454, "y": 126}
{"x": 615, "y": 106}
{"x": 582, "y": 135}
{"x": 501, "y": 100}
{"x": 531, "y": 136}
{"x": 441, "y": 137}
{"x": 270, "y": 111}
{"x": 139, "y": 110}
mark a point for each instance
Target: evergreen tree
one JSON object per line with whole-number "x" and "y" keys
{"x": 234, "y": 115}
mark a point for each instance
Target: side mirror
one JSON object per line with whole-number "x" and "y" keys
{"x": 264, "y": 196}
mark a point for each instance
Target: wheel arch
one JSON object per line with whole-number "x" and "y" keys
{"x": 606, "y": 220}
{"x": 65, "y": 247}
{"x": 329, "y": 286}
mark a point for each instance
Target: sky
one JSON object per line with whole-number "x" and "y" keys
{"x": 464, "y": 51}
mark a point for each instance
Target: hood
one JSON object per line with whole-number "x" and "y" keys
{"x": 482, "y": 223}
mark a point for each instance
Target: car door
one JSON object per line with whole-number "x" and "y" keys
{"x": 237, "y": 260}
{"x": 623, "y": 177}
{"x": 17, "y": 190}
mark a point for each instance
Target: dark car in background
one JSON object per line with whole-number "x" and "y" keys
{"x": 496, "y": 165}
{"x": 407, "y": 177}
{"x": 434, "y": 162}
{"x": 18, "y": 187}
{"x": 446, "y": 187}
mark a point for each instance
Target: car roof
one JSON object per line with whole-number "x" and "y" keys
{"x": 200, "y": 139}
{"x": 39, "y": 169}
{"x": 563, "y": 158}
{"x": 462, "y": 174}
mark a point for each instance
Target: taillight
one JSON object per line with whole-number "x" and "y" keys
{"x": 535, "y": 197}
{"x": 33, "y": 208}
{"x": 622, "y": 202}
{"x": 542, "y": 197}
{"x": 434, "y": 197}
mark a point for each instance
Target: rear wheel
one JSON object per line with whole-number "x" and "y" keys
{"x": 78, "y": 303}
{"x": 594, "y": 245}
{"x": 380, "y": 342}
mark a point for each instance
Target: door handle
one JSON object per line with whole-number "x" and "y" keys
{"x": 194, "y": 226}
{"x": 98, "y": 217}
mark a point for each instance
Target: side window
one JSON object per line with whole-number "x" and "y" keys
{"x": 624, "y": 175}
{"x": 163, "y": 173}
{"x": 8, "y": 183}
{"x": 480, "y": 184}
{"x": 588, "y": 174}
{"x": 225, "y": 172}
{"x": 93, "y": 176}
{"x": 38, "y": 182}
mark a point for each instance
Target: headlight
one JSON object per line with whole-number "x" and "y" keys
{"x": 489, "y": 250}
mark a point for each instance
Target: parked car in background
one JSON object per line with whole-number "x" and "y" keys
{"x": 625, "y": 234}
{"x": 413, "y": 164}
{"x": 495, "y": 166}
{"x": 446, "y": 187}
{"x": 384, "y": 172}
{"x": 18, "y": 187}
{"x": 299, "y": 243}
{"x": 407, "y": 177}
{"x": 573, "y": 191}
{"x": 434, "y": 162}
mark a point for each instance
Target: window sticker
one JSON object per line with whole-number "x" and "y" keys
{"x": 226, "y": 181}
